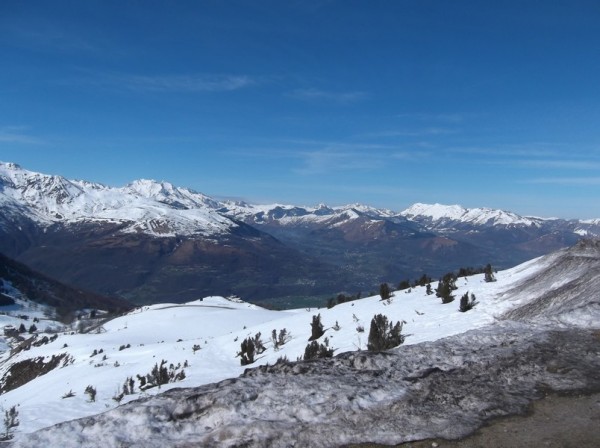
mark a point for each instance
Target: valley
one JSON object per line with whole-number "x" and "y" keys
{"x": 151, "y": 242}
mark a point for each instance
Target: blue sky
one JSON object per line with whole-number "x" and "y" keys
{"x": 387, "y": 103}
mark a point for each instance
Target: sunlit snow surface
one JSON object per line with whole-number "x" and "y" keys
{"x": 147, "y": 206}
{"x": 218, "y": 325}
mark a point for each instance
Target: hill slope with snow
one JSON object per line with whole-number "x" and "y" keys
{"x": 202, "y": 338}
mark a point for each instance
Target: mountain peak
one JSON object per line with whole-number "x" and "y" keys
{"x": 441, "y": 214}
{"x": 145, "y": 205}
{"x": 10, "y": 166}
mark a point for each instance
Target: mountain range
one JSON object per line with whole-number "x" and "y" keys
{"x": 152, "y": 242}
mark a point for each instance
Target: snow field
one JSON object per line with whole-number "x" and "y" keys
{"x": 218, "y": 326}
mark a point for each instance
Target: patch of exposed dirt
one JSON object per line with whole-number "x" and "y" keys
{"x": 24, "y": 371}
{"x": 553, "y": 422}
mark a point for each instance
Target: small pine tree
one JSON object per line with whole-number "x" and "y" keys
{"x": 425, "y": 279}
{"x": 247, "y": 351}
{"x": 10, "y": 422}
{"x": 91, "y": 392}
{"x": 159, "y": 374}
{"x": 428, "y": 289}
{"x": 489, "y": 273}
{"x": 384, "y": 335}
{"x": 384, "y": 291}
{"x": 404, "y": 284}
{"x": 444, "y": 291}
{"x": 315, "y": 350}
{"x": 259, "y": 347}
{"x": 466, "y": 304}
{"x": 316, "y": 328}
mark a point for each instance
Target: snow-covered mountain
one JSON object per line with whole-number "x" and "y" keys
{"x": 152, "y": 241}
{"x": 440, "y": 215}
{"x": 291, "y": 215}
{"x": 537, "y": 313}
{"x": 152, "y": 206}
{"x": 147, "y": 206}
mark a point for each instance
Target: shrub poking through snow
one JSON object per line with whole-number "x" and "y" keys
{"x": 69, "y": 394}
{"x": 91, "y": 392}
{"x": 316, "y": 328}
{"x": 384, "y": 291}
{"x": 489, "y": 273}
{"x": 158, "y": 376}
{"x": 446, "y": 285}
{"x": 315, "y": 350}
{"x": 247, "y": 351}
{"x": 384, "y": 335}
{"x": 281, "y": 339}
{"x": 259, "y": 347}
{"x": 10, "y": 421}
{"x": 467, "y": 304}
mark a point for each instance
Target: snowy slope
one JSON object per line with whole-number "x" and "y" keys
{"x": 151, "y": 207}
{"x": 218, "y": 325}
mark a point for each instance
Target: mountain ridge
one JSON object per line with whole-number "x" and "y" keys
{"x": 152, "y": 241}
{"x": 36, "y": 187}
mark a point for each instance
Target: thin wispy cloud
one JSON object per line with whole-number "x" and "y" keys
{"x": 423, "y": 132}
{"x": 511, "y": 151}
{"x": 534, "y": 157}
{"x": 314, "y": 157}
{"x": 447, "y": 118}
{"x": 313, "y": 94}
{"x": 326, "y": 161}
{"x": 46, "y": 36}
{"x": 18, "y": 134}
{"x": 191, "y": 83}
{"x": 570, "y": 181}
{"x": 561, "y": 164}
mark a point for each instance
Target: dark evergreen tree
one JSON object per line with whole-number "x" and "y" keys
{"x": 404, "y": 284}
{"x": 259, "y": 347}
{"x": 445, "y": 287}
{"x": 424, "y": 280}
{"x": 315, "y": 350}
{"x": 159, "y": 374}
{"x": 91, "y": 391}
{"x": 384, "y": 335}
{"x": 467, "y": 304}
{"x": 316, "y": 328}
{"x": 384, "y": 291}
{"x": 489, "y": 273}
{"x": 247, "y": 351}
{"x": 10, "y": 421}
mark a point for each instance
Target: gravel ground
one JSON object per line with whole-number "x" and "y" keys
{"x": 553, "y": 422}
